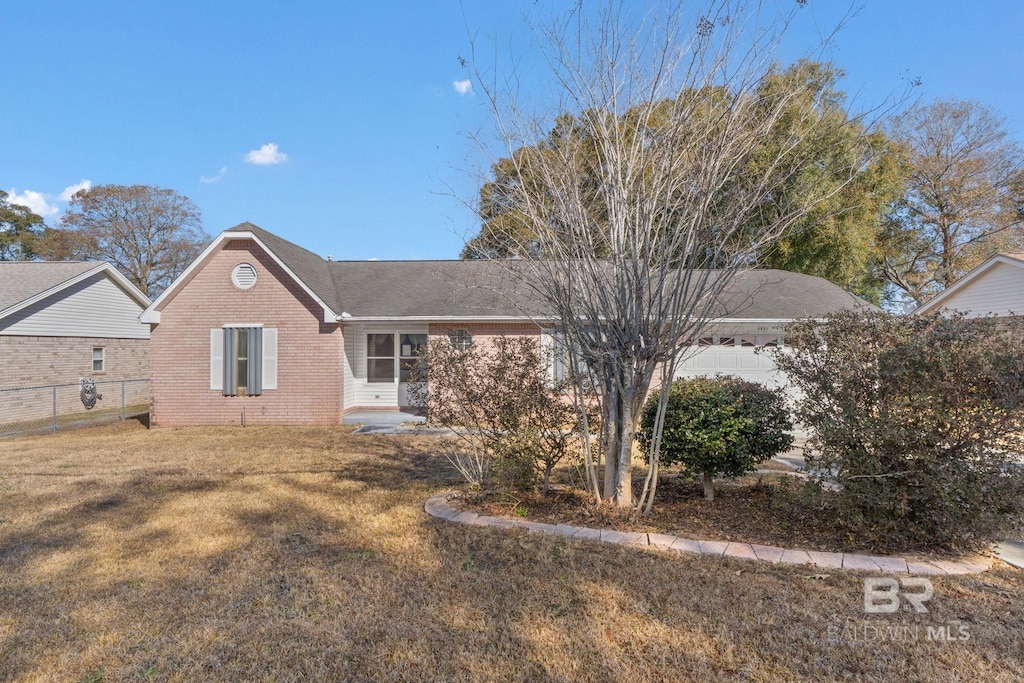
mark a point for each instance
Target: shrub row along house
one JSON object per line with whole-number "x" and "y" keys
{"x": 260, "y": 330}
{"x": 61, "y": 322}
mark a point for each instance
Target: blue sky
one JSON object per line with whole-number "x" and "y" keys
{"x": 343, "y": 126}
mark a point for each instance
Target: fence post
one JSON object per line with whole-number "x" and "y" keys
{"x": 122, "y": 400}
{"x": 55, "y": 408}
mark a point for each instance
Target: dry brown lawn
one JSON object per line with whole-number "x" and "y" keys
{"x": 271, "y": 554}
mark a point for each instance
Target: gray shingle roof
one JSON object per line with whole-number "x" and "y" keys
{"x": 21, "y": 280}
{"x": 457, "y": 288}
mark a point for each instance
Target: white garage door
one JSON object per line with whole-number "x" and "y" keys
{"x": 733, "y": 356}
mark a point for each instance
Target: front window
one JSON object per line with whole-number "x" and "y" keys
{"x": 243, "y": 361}
{"x": 460, "y": 339}
{"x": 98, "y": 360}
{"x": 380, "y": 358}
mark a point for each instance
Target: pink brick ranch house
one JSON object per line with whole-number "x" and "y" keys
{"x": 261, "y": 330}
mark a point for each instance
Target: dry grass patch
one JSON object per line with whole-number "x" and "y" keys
{"x": 297, "y": 554}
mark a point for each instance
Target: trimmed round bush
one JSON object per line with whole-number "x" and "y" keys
{"x": 718, "y": 427}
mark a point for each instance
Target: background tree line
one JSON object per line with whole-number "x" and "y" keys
{"x": 149, "y": 234}
{"x": 913, "y": 202}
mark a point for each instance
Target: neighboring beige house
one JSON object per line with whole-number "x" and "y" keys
{"x": 263, "y": 331}
{"x": 61, "y": 322}
{"x": 996, "y": 287}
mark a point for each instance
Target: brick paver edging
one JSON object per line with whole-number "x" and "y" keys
{"x": 438, "y": 507}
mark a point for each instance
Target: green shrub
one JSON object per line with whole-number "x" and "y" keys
{"x": 718, "y": 426}
{"x": 916, "y": 421}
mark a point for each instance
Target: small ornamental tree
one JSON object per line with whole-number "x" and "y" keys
{"x": 514, "y": 423}
{"x": 718, "y": 426}
{"x": 917, "y": 422}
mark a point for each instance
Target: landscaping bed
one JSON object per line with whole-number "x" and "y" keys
{"x": 766, "y": 509}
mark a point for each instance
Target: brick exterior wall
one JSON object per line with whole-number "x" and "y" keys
{"x": 40, "y": 361}
{"x": 31, "y": 361}
{"x": 309, "y": 366}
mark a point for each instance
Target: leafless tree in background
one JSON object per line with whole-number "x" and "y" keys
{"x": 150, "y": 234}
{"x": 964, "y": 200}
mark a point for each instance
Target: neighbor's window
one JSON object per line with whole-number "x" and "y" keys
{"x": 98, "y": 359}
{"x": 460, "y": 339}
{"x": 410, "y": 348}
{"x": 380, "y": 358}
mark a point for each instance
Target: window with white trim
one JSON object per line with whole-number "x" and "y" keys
{"x": 99, "y": 361}
{"x": 460, "y": 339}
{"x": 380, "y": 358}
{"x": 243, "y": 360}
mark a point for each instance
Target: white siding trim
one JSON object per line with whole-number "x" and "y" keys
{"x": 939, "y": 300}
{"x": 101, "y": 267}
{"x": 95, "y": 306}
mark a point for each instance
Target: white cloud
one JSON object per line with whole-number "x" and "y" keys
{"x": 35, "y": 201}
{"x": 463, "y": 87}
{"x": 70, "y": 190}
{"x": 266, "y": 155}
{"x": 215, "y": 178}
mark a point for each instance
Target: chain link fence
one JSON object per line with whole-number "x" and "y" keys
{"x": 44, "y": 409}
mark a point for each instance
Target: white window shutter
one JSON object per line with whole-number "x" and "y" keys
{"x": 269, "y": 358}
{"x": 216, "y": 360}
{"x": 547, "y": 353}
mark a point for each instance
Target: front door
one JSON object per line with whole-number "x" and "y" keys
{"x": 410, "y": 347}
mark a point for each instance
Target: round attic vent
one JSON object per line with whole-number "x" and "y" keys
{"x": 243, "y": 276}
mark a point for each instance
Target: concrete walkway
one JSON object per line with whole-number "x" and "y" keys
{"x": 381, "y": 418}
{"x": 1011, "y": 552}
{"x": 438, "y": 507}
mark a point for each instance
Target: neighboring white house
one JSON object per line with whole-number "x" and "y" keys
{"x": 61, "y": 322}
{"x": 996, "y": 287}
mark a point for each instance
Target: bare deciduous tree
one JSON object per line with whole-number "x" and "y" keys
{"x": 636, "y": 248}
{"x": 964, "y": 197}
{"x": 149, "y": 233}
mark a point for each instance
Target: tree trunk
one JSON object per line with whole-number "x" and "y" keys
{"x": 709, "y": 488}
{"x": 611, "y": 444}
{"x": 624, "y": 470}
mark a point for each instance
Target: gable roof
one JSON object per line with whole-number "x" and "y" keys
{"x": 481, "y": 289}
{"x": 308, "y": 267}
{"x": 308, "y": 270}
{"x": 1013, "y": 259}
{"x": 23, "y": 283}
